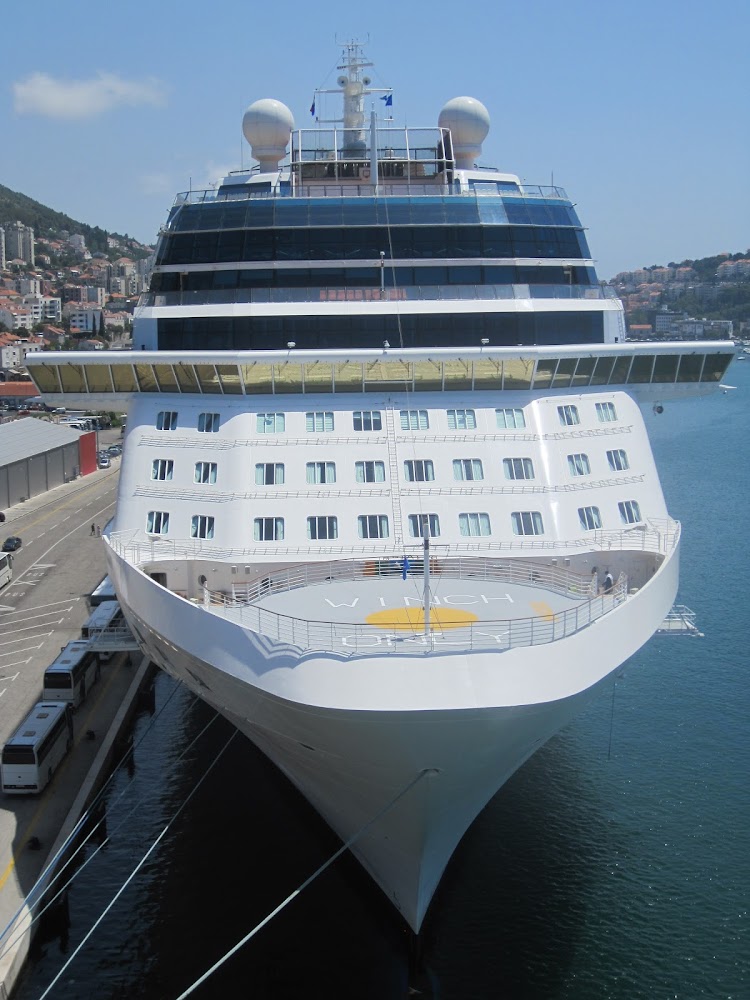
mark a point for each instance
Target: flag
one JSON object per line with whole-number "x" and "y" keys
{"x": 312, "y": 108}
{"x": 406, "y": 568}
{"x": 388, "y": 98}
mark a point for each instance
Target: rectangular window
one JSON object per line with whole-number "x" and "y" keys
{"x": 162, "y": 468}
{"x": 205, "y": 472}
{"x": 467, "y": 469}
{"x": 208, "y": 423}
{"x": 527, "y": 522}
{"x": 268, "y": 529}
{"x": 367, "y": 420}
{"x": 590, "y": 518}
{"x": 319, "y": 421}
{"x": 510, "y": 419}
{"x": 369, "y": 472}
{"x": 618, "y": 460}
{"x": 269, "y": 474}
{"x": 270, "y": 423}
{"x": 320, "y": 528}
{"x": 462, "y": 420}
{"x": 518, "y": 468}
{"x": 579, "y": 465}
{"x": 474, "y": 524}
{"x": 372, "y": 526}
{"x": 414, "y": 420}
{"x": 417, "y": 524}
{"x": 321, "y": 472}
{"x": 630, "y": 512}
{"x": 166, "y": 420}
{"x": 568, "y": 415}
{"x": 606, "y": 412}
{"x": 201, "y": 526}
{"x": 157, "y": 522}
{"x": 419, "y": 470}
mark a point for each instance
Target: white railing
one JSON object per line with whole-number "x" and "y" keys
{"x": 655, "y": 536}
{"x": 344, "y": 639}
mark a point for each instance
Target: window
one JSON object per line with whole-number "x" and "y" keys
{"x": 568, "y": 415}
{"x": 367, "y": 420}
{"x": 320, "y": 528}
{"x": 205, "y": 472}
{"x": 579, "y": 465}
{"x": 518, "y": 468}
{"x": 606, "y": 412}
{"x": 527, "y": 522}
{"x": 166, "y": 420}
{"x": 269, "y": 474}
{"x": 414, "y": 420}
{"x": 162, "y": 468}
{"x": 462, "y": 420}
{"x": 510, "y": 418}
{"x": 417, "y": 524}
{"x": 474, "y": 524}
{"x": 467, "y": 468}
{"x": 618, "y": 460}
{"x": 590, "y": 518}
{"x": 201, "y": 526}
{"x": 630, "y": 512}
{"x": 268, "y": 529}
{"x": 369, "y": 472}
{"x": 419, "y": 470}
{"x": 321, "y": 472}
{"x": 208, "y": 423}
{"x": 319, "y": 421}
{"x": 372, "y": 526}
{"x": 157, "y": 522}
{"x": 270, "y": 423}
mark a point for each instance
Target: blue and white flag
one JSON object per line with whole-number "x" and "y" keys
{"x": 388, "y": 98}
{"x": 312, "y": 108}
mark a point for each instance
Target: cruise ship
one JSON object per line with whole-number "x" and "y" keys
{"x": 387, "y": 499}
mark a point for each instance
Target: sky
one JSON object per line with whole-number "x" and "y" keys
{"x": 639, "y": 110}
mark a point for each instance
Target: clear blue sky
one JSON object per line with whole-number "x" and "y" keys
{"x": 640, "y": 109}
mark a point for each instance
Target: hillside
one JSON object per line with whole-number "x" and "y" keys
{"x": 17, "y": 207}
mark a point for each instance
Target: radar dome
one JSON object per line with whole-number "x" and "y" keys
{"x": 469, "y": 122}
{"x": 267, "y": 125}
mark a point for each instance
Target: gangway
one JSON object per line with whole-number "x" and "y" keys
{"x": 680, "y": 621}
{"x": 115, "y": 639}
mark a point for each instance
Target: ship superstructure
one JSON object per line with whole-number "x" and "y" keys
{"x": 387, "y": 499}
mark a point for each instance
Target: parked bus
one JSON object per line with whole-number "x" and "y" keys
{"x": 6, "y": 568}
{"x": 32, "y": 754}
{"x": 104, "y": 591}
{"x": 104, "y": 616}
{"x": 71, "y": 675}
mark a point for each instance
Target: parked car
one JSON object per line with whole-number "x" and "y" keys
{"x": 104, "y": 462}
{"x": 114, "y": 450}
{"x": 12, "y": 543}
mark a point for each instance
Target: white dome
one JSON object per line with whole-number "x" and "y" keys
{"x": 267, "y": 125}
{"x": 469, "y": 122}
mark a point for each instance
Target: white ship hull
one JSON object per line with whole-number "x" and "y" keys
{"x": 350, "y": 761}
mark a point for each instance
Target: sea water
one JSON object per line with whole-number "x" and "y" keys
{"x": 615, "y": 865}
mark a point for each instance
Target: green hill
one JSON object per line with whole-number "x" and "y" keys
{"x": 17, "y": 207}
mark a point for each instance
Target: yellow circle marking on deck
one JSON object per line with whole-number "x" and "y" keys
{"x": 412, "y": 619}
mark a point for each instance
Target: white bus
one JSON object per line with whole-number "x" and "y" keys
{"x": 104, "y": 616}
{"x": 6, "y": 568}
{"x": 71, "y": 675}
{"x": 104, "y": 591}
{"x": 31, "y": 755}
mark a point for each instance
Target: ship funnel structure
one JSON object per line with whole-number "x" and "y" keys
{"x": 267, "y": 126}
{"x": 469, "y": 123}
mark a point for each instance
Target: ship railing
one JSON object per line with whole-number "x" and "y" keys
{"x": 345, "y": 639}
{"x": 327, "y": 189}
{"x": 410, "y": 293}
{"x": 657, "y": 536}
{"x": 554, "y": 577}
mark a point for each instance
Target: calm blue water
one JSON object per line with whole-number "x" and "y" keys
{"x": 589, "y": 877}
